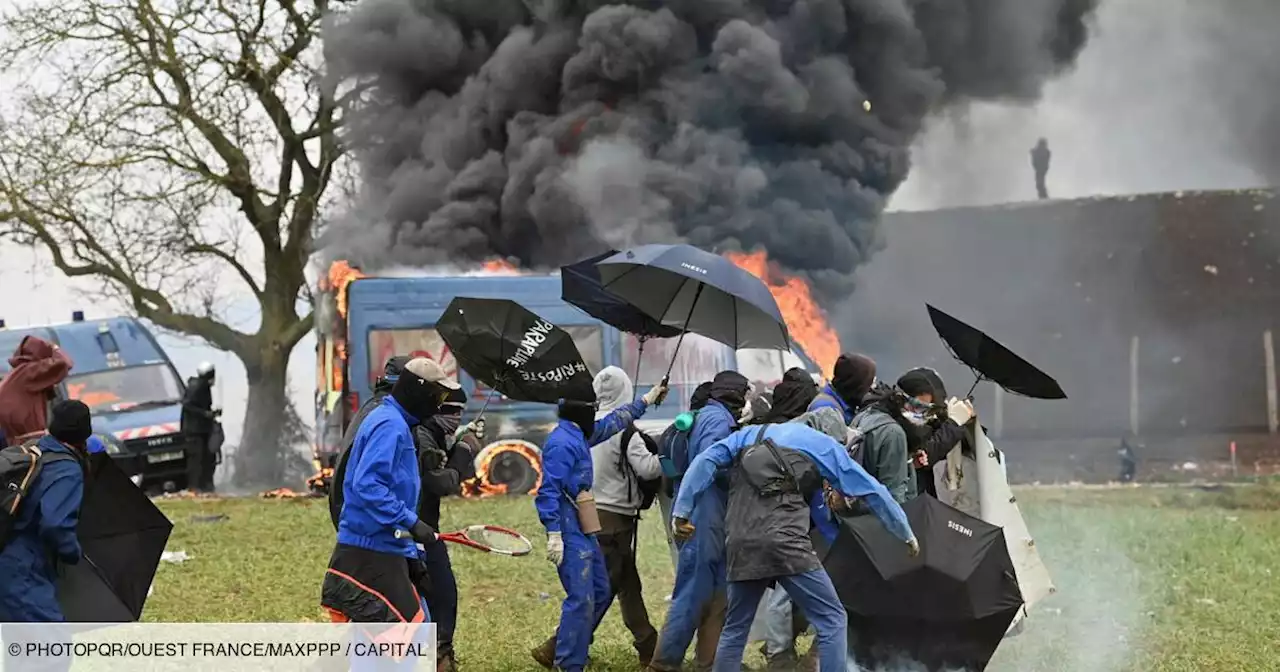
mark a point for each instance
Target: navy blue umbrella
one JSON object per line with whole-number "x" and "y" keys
{"x": 580, "y": 286}
{"x": 685, "y": 287}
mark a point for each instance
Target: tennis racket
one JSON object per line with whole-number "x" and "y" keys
{"x": 487, "y": 538}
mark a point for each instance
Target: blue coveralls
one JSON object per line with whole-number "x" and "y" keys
{"x": 44, "y": 530}
{"x": 700, "y": 571}
{"x": 812, "y": 590}
{"x": 567, "y": 471}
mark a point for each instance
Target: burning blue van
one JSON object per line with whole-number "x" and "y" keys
{"x": 363, "y": 322}
{"x": 127, "y": 380}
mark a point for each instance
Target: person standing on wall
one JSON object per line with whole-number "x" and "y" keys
{"x": 1040, "y": 163}
{"x": 197, "y": 423}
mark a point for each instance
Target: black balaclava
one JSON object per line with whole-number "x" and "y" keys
{"x": 791, "y": 398}
{"x": 916, "y": 382}
{"x": 71, "y": 422}
{"x": 852, "y": 378}
{"x": 730, "y": 388}
{"x": 701, "y": 395}
{"x": 798, "y": 375}
{"x": 580, "y": 413}
{"x": 420, "y": 398}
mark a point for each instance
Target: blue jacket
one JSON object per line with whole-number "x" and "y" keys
{"x": 44, "y": 531}
{"x": 828, "y": 456}
{"x": 380, "y": 492}
{"x": 567, "y": 468}
{"x": 828, "y": 398}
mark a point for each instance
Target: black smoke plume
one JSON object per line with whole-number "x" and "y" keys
{"x": 543, "y": 130}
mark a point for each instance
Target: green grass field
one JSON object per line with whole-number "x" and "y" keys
{"x": 1148, "y": 579}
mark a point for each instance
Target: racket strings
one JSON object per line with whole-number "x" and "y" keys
{"x": 498, "y": 540}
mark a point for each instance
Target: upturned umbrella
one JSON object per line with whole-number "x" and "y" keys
{"x": 947, "y": 608}
{"x": 122, "y": 535}
{"x": 696, "y": 291}
{"x": 514, "y": 351}
{"x": 989, "y": 360}
{"x": 581, "y": 286}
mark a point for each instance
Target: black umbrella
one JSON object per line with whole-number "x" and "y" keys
{"x": 685, "y": 287}
{"x": 991, "y": 361}
{"x": 580, "y": 286}
{"x": 122, "y": 535}
{"x": 947, "y": 608}
{"x": 514, "y": 351}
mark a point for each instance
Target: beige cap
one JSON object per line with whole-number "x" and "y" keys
{"x": 431, "y": 372}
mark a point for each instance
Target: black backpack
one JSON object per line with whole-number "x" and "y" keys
{"x": 19, "y": 468}
{"x": 649, "y": 487}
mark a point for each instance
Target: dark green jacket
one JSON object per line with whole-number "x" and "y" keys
{"x": 885, "y": 453}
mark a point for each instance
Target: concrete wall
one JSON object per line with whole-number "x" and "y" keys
{"x": 1069, "y": 285}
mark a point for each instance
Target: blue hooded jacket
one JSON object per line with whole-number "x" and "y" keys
{"x": 830, "y": 458}
{"x": 566, "y": 465}
{"x": 828, "y": 398}
{"x": 380, "y": 492}
{"x": 45, "y": 530}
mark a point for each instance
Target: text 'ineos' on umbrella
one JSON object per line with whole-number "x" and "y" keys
{"x": 514, "y": 351}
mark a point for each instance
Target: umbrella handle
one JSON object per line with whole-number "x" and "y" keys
{"x": 636, "y": 379}
{"x": 693, "y": 304}
{"x": 976, "y": 380}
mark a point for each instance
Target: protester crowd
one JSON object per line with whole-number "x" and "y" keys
{"x": 750, "y": 492}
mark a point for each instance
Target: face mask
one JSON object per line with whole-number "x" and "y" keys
{"x": 449, "y": 422}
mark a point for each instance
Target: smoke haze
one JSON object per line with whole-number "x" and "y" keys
{"x": 1169, "y": 95}
{"x": 545, "y": 131}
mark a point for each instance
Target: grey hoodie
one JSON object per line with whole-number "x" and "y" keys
{"x": 617, "y": 490}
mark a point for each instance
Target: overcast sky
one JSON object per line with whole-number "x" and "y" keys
{"x": 1129, "y": 119}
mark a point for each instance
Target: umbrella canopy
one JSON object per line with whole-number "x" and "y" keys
{"x": 682, "y": 286}
{"x": 122, "y": 535}
{"x": 991, "y": 361}
{"x": 514, "y": 351}
{"x": 580, "y": 285}
{"x": 948, "y": 607}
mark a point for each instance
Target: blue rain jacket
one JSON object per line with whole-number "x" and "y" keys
{"x": 380, "y": 492}
{"x": 828, "y": 456}
{"x": 43, "y": 534}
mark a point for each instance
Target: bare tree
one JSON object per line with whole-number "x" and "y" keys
{"x": 179, "y": 152}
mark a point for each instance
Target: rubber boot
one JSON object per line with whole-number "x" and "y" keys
{"x": 545, "y": 653}
{"x": 645, "y": 648}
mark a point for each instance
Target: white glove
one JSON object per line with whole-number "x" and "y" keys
{"x": 913, "y": 547}
{"x": 747, "y": 414}
{"x": 960, "y": 412}
{"x": 476, "y": 427}
{"x": 656, "y": 394}
{"x": 555, "y": 548}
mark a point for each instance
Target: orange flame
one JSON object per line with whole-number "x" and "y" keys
{"x": 479, "y": 486}
{"x": 499, "y": 266}
{"x": 321, "y": 481}
{"x": 340, "y": 275}
{"x": 805, "y": 319}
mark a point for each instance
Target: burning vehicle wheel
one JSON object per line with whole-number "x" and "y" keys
{"x": 506, "y": 467}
